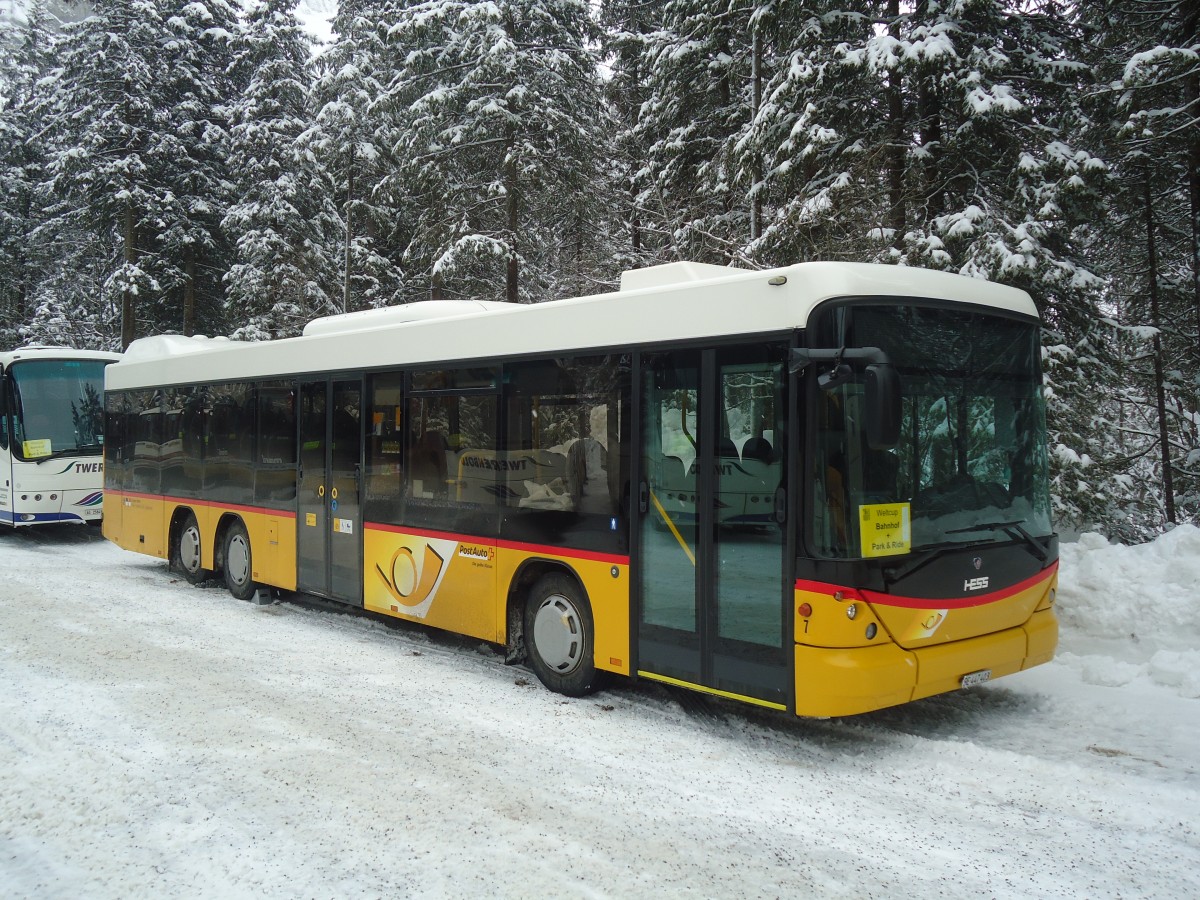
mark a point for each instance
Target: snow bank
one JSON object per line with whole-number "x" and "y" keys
{"x": 1130, "y": 613}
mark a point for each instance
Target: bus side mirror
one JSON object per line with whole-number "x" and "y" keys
{"x": 883, "y": 406}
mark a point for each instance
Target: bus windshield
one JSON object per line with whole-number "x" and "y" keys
{"x": 58, "y": 408}
{"x": 971, "y": 463}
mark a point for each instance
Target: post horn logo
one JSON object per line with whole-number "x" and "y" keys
{"x": 415, "y": 573}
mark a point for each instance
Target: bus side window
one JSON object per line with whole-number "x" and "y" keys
{"x": 275, "y": 467}
{"x": 451, "y": 461}
{"x": 383, "y": 486}
{"x": 114, "y": 441}
{"x": 563, "y": 430}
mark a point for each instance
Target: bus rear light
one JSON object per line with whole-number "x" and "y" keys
{"x": 872, "y": 630}
{"x": 805, "y": 610}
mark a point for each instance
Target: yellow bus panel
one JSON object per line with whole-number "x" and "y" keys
{"x": 605, "y": 578}
{"x": 1042, "y": 632}
{"x": 136, "y": 524}
{"x": 844, "y": 682}
{"x": 432, "y": 578}
{"x": 461, "y": 584}
{"x": 142, "y": 523}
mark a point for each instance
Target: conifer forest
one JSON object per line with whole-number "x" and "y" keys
{"x": 201, "y": 167}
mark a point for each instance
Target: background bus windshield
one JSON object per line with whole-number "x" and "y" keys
{"x": 59, "y": 407}
{"x": 971, "y": 461}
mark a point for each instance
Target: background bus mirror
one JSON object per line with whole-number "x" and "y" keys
{"x": 835, "y": 377}
{"x": 883, "y": 406}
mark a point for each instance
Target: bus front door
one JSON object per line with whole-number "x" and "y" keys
{"x": 712, "y": 580}
{"x": 329, "y": 527}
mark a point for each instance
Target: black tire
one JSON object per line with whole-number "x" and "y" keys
{"x": 185, "y": 551}
{"x": 559, "y": 637}
{"x": 239, "y": 562}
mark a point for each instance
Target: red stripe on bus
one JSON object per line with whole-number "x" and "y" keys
{"x": 543, "y": 549}
{"x": 211, "y": 504}
{"x": 927, "y": 602}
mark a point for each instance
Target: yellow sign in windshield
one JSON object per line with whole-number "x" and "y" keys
{"x": 34, "y": 449}
{"x": 885, "y": 529}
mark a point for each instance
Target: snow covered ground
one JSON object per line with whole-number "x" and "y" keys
{"x": 160, "y": 740}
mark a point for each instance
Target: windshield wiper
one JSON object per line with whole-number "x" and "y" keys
{"x": 985, "y": 526}
{"x": 923, "y": 557}
{"x": 57, "y": 454}
{"x": 1011, "y": 529}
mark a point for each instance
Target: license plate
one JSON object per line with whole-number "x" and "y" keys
{"x": 975, "y": 678}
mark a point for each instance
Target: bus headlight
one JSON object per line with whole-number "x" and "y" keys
{"x": 851, "y": 610}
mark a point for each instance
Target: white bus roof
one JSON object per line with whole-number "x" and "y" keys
{"x": 39, "y": 351}
{"x": 669, "y": 303}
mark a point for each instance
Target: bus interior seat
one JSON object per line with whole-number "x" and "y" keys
{"x": 757, "y": 448}
{"x": 428, "y": 464}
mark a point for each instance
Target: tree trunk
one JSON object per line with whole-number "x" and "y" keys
{"x": 896, "y": 219}
{"x": 756, "y": 162}
{"x": 349, "y": 232}
{"x": 128, "y": 321}
{"x": 1164, "y": 434}
{"x": 1191, "y": 29}
{"x": 189, "y": 291}
{"x": 929, "y": 104}
{"x": 512, "y": 217}
{"x": 511, "y": 293}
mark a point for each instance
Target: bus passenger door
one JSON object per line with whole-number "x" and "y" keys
{"x": 712, "y": 582}
{"x": 329, "y": 528}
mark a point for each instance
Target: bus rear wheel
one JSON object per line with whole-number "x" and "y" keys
{"x": 239, "y": 564}
{"x": 185, "y": 551}
{"x": 559, "y": 636}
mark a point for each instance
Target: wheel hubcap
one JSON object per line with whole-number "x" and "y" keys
{"x": 189, "y": 549}
{"x": 237, "y": 559}
{"x": 558, "y": 634}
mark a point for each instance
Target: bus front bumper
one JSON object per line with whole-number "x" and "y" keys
{"x": 844, "y": 682}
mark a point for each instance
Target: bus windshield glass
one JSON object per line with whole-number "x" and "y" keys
{"x": 970, "y": 465}
{"x": 59, "y": 408}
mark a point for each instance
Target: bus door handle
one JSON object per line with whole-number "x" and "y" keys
{"x": 780, "y": 505}
{"x": 643, "y": 497}
{"x": 358, "y": 483}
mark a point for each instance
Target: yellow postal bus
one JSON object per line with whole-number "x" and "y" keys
{"x": 820, "y": 489}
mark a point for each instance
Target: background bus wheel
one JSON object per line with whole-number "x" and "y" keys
{"x": 185, "y": 552}
{"x": 559, "y": 636}
{"x": 238, "y": 563}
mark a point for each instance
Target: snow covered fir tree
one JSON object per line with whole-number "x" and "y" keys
{"x": 200, "y": 166}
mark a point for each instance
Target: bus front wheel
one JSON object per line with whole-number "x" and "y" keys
{"x": 239, "y": 566}
{"x": 185, "y": 551}
{"x": 559, "y": 636}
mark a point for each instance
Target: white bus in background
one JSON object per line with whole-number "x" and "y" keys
{"x": 52, "y": 435}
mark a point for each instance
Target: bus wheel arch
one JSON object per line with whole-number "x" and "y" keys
{"x": 527, "y": 575}
{"x": 237, "y": 557}
{"x": 186, "y": 546}
{"x": 558, "y": 631}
